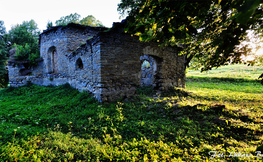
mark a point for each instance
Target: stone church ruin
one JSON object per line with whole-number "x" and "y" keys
{"x": 105, "y": 62}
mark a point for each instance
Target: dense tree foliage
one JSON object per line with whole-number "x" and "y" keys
{"x": 75, "y": 18}
{"x": 3, "y": 55}
{"x": 27, "y": 32}
{"x": 90, "y": 21}
{"x": 207, "y": 30}
{"x": 72, "y": 18}
{"x": 24, "y": 37}
{"x": 49, "y": 24}
{"x": 2, "y": 28}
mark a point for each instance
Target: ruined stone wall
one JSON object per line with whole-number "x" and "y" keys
{"x": 88, "y": 76}
{"x": 120, "y": 66}
{"x": 59, "y": 69}
{"x": 107, "y": 64}
{"x": 19, "y": 75}
{"x": 54, "y": 41}
{"x": 64, "y": 41}
{"x": 121, "y": 60}
{"x": 82, "y": 71}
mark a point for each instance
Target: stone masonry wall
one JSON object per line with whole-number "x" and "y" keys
{"x": 107, "y": 64}
{"x": 121, "y": 65}
{"x": 64, "y": 40}
{"x": 17, "y": 77}
{"x": 87, "y": 78}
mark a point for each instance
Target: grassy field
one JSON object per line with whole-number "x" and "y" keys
{"x": 220, "y": 110}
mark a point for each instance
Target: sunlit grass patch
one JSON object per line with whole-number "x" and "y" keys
{"x": 246, "y": 94}
{"x": 231, "y": 71}
{"x": 213, "y": 113}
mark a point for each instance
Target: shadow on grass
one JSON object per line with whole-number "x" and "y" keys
{"x": 165, "y": 121}
{"x": 161, "y": 123}
{"x": 79, "y": 114}
{"x": 173, "y": 91}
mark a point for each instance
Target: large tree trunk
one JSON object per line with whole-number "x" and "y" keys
{"x": 261, "y": 78}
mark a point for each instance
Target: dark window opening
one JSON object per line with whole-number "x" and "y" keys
{"x": 24, "y": 72}
{"x": 79, "y": 64}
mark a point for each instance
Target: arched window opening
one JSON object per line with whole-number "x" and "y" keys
{"x": 52, "y": 60}
{"x": 79, "y": 64}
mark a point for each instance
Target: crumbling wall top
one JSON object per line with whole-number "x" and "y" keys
{"x": 72, "y": 26}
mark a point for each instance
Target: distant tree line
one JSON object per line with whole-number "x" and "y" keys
{"x": 75, "y": 18}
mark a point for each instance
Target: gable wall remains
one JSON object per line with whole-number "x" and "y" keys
{"x": 121, "y": 58}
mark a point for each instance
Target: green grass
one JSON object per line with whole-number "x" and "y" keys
{"x": 235, "y": 84}
{"x": 238, "y": 71}
{"x": 219, "y": 111}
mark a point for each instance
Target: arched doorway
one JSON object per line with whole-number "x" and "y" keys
{"x": 55, "y": 61}
{"x": 149, "y": 70}
{"x": 52, "y": 60}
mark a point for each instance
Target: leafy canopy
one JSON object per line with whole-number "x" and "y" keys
{"x": 3, "y": 55}
{"x": 207, "y": 30}
{"x": 27, "y": 32}
{"x": 3, "y": 52}
{"x": 75, "y": 18}
{"x": 24, "y": 37}
{"x": 2, "y": 28}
